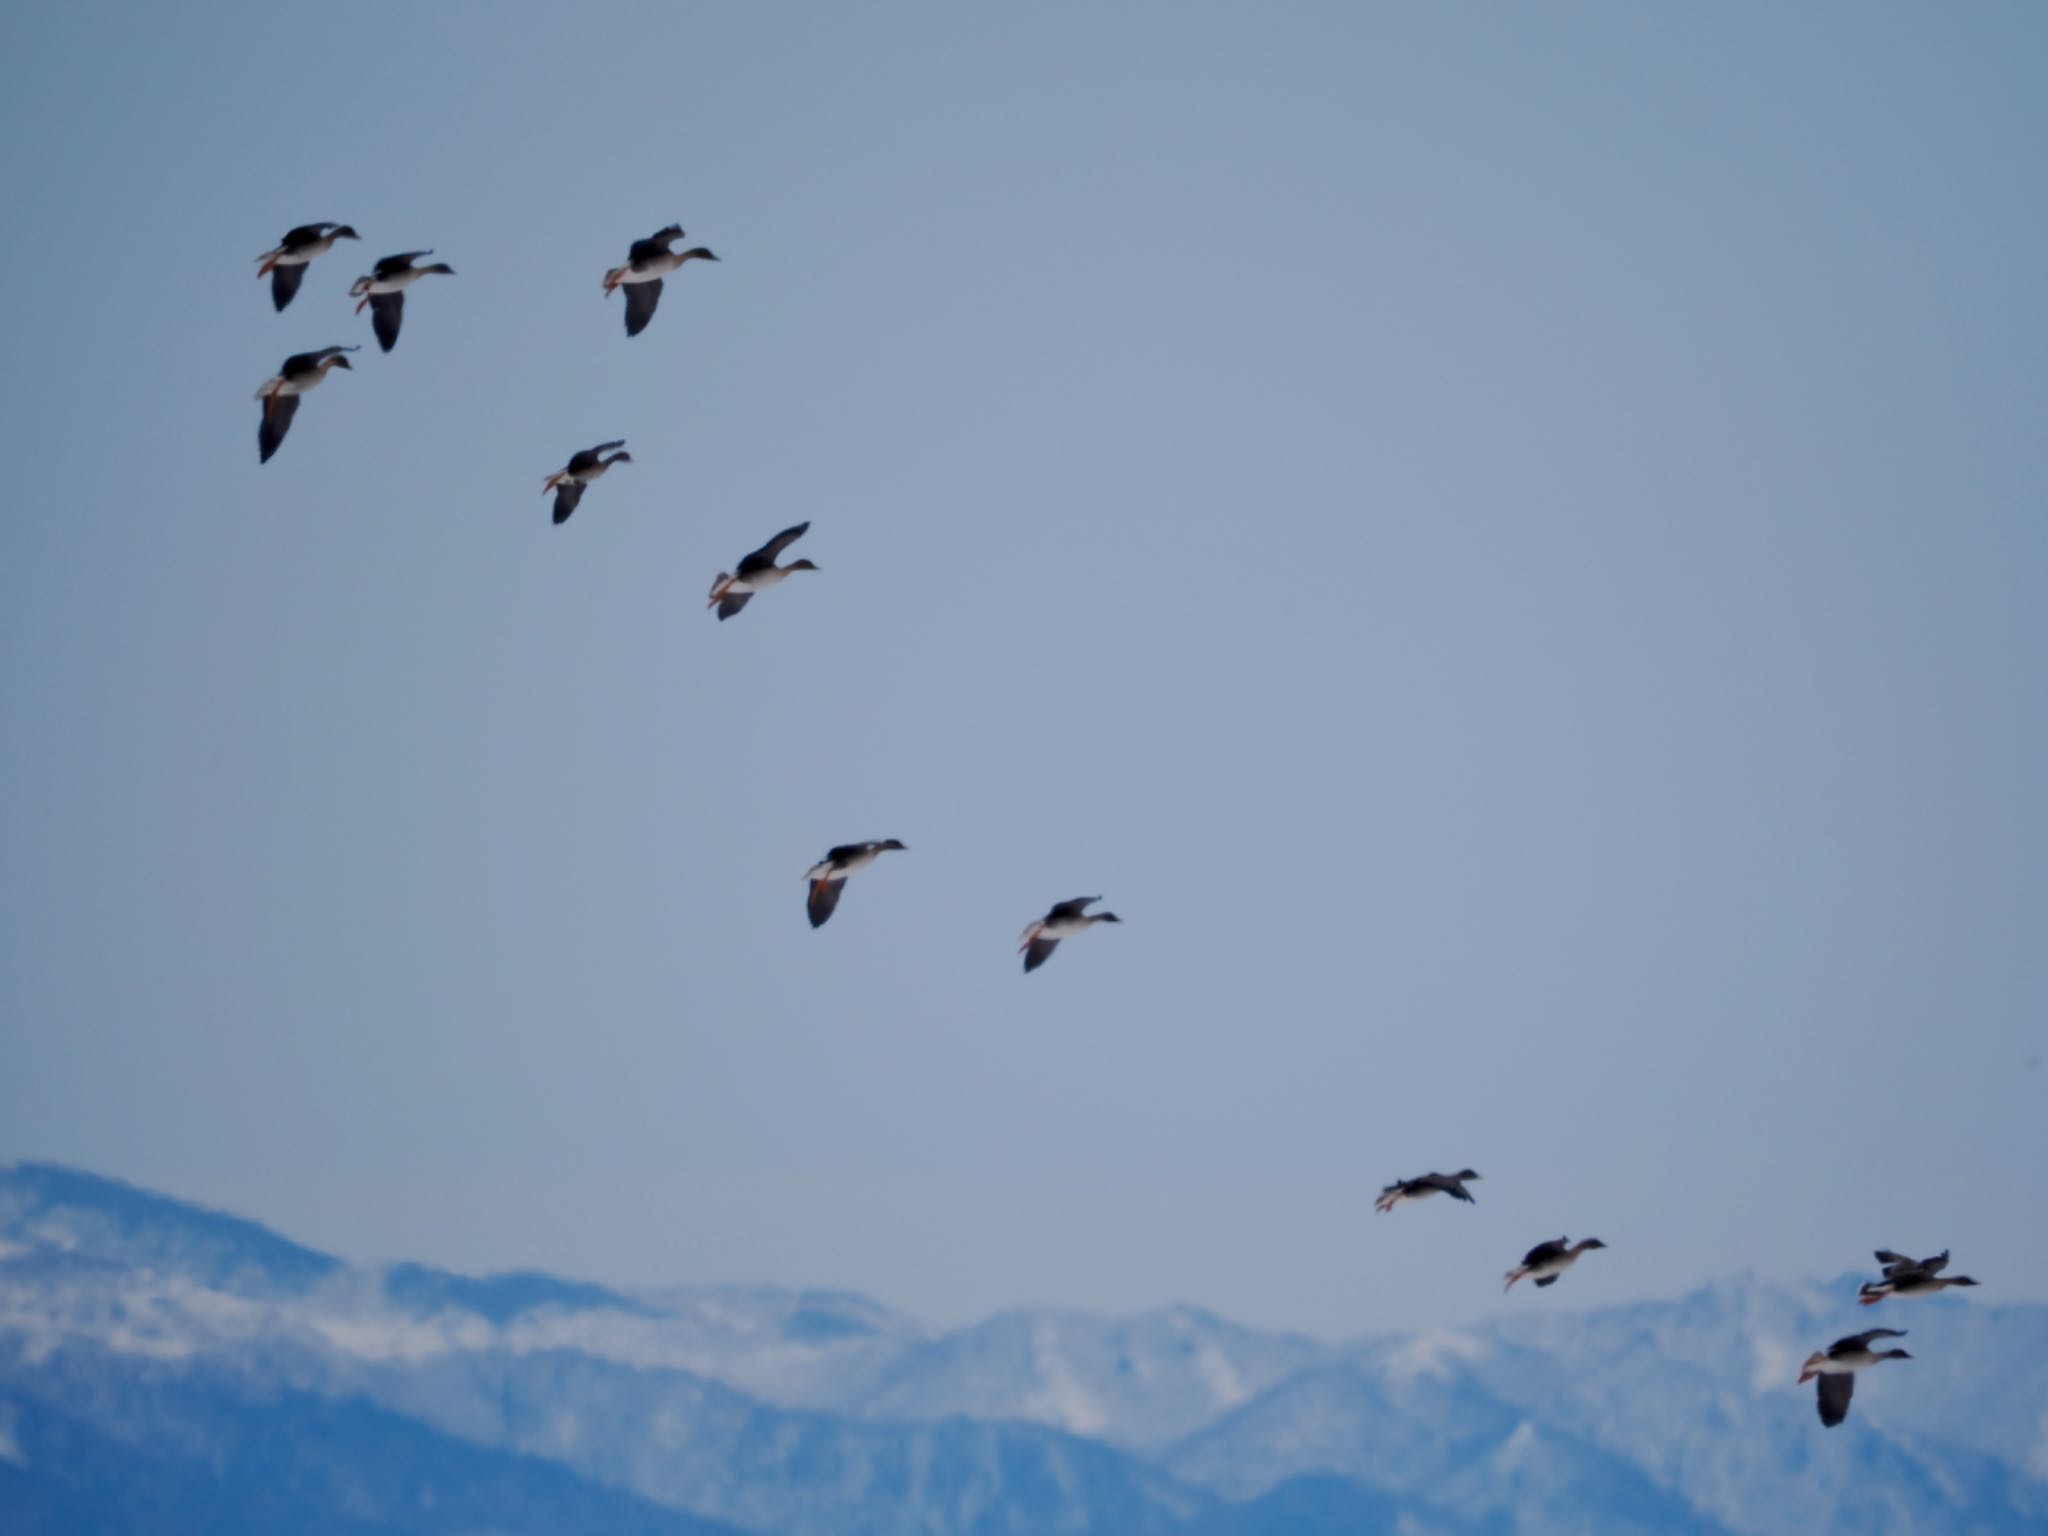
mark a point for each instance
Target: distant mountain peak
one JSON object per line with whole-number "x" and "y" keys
{"x": 814, "y": 1412}
{"x": 49, "y": 1205}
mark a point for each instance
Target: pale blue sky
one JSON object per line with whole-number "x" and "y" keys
{"x": 1509, "y": 543}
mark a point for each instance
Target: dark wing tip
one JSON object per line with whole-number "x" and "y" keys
{"x": 1835, "y": 1389}
{"x": 277, "y": 420}
{"x": 567, "y": 494}
{"x": 1039, "y": 952}
{"x": 284, "y": 282}
{"x": 640, "y": 301}
{"x": 823, "y": 900}
{"x": 387, "y": 312}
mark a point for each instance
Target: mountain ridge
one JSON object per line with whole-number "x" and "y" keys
{"x": 818, "y": 1412}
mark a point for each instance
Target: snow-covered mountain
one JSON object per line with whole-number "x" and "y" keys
{"x": 167, "y": 1368}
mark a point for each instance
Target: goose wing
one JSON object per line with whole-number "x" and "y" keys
{"x": 654, "y": 245}
{"x": 732, "y": 603}
{"x": 387, "y": 310}
{"x": 1544, "y": 1251}
{"x": 1074, "y": 908}
{"x": 1856, "y": 1341}
{"x": 1836, "y": 1387}
{"x": 823, "y": 900}
{"x": 301, "y": 363}
{"x": 278, "y": 412}
{"x": 391, "y": 266}
{"x": 1448, "y": 1185}
{"x": 1038, "y": 952}
{"x": 284, "y": 281}
{"x": 567, "y": 494}
{"x": 640, "y": 301}
{"x": 768, "y": 553}
{"x": 587, "y": 458}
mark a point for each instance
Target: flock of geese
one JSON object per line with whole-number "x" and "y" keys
{"x": 1835, "y": 1367}
{"x": 647, "y": 263}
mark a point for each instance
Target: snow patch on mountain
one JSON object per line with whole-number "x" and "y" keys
{"x": 815, "y": 1412}
{"x": 1061, "y": 1399}
{"x": 1433, "y": 1354}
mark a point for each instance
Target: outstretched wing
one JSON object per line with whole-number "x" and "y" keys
{"x": 1072, "y": 908}
{"x": 1542, "y": 1251}
{"x": 653, "y": 246}
{"x": 586, "y": 458}
{"x": 299, "y": 364}
{"x": 567, "y": 494}
{"x": 391, "y": 266}
{"x": 640, "y": 301}
{"x": 732, "y": 603}
{"x": 386, "y": 311}
{"x": 1543, "y": 1280}
{"x": 278, "y": 412}
{"x": 1039, "y": 951}
{"x": 1862, "y": 1340}
{"x": 823, "y": 900}
{"x": 284, "y": 282}
{"x": 1835, "y": 1390}
{"x": 1448, "y": 1185}
{"x": 768, "y": 553}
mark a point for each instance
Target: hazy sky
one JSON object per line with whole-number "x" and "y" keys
{"x": 1510, "y": 543}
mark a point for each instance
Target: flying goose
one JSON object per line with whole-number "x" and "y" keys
{"x": 1836, "y": 1364}
{"x": 647, "y": 263}
{"x": 757, "y": 572}
{"x": 1909, "y": 1277}
{"x": 830, "y": 873}
{"x": 1452, "y": 1184}
{"x": 285, "y": 266}
{"x": 280, "y": 395}
{"x": 569, "y": 481}
{"x": 1066, "y": 919}
{"x": 1546, "y": 1261}
{"x": 384, "y": 291}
